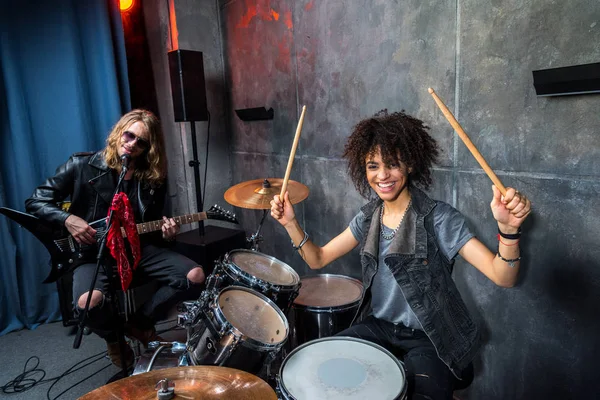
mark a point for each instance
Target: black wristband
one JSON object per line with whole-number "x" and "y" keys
{"x": 511, "y": 236}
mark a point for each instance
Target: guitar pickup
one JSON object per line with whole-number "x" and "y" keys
{"x": 71, "y": 244}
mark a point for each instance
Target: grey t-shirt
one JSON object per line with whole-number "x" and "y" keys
{"x": 388, "y": 301}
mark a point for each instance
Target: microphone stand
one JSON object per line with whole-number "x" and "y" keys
{"x": 109, "y": 273}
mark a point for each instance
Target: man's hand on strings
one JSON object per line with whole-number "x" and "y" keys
{"x": 81, "y": 231}
{"x": 170, "y": 228}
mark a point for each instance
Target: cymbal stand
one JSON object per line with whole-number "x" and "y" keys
{"x": 256, "y": 238}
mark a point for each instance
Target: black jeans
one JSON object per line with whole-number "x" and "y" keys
{"x": 168, "y": 268}
{"x": 427, "y": 376}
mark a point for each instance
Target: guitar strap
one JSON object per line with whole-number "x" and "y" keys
{"x": 123, "y": 217}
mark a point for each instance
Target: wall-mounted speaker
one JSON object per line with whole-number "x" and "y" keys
{"x": 186, "y": 68}
{"x": 577, "y": 79}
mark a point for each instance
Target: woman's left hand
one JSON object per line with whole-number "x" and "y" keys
{"x": 510, "y": 210}
{"x": 169, "y": 228}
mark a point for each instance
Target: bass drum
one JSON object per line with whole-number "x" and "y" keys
{"x": 325, "y": 306}
{"x": 341, "y": 368}
{"x": 240, "y": 329}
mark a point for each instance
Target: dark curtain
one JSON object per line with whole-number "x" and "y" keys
{"x": 63, "y": 84}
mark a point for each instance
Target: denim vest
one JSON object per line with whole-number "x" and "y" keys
{"x": 426, "y": 281}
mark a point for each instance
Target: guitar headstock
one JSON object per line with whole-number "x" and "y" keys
{"x": 216, "y": 212}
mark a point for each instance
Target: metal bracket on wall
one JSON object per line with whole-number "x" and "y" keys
{"x": 255, "y": 114}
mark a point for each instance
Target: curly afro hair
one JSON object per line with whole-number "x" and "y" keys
{"x": 401, "y": 138}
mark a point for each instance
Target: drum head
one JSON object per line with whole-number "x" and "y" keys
{"x": 329, "y": 291}
{"x": 264, "y": 267}
{"x": 342, "y": 368}
{"x": 253, "y": 314}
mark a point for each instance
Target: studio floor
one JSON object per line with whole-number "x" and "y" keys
{"x": 46, "y": 353}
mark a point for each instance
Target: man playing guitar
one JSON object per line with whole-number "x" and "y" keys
{"x": 90, "y": 180}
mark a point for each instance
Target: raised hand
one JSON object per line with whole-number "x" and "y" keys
{"x": 283, "y": 211}
{"x": 510, "y": 210}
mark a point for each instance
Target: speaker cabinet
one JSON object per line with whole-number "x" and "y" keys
{"x": 186, "y": 68}
{"x": 577, "y": 79}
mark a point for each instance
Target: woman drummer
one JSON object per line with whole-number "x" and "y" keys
{"x": 408, "y": 243}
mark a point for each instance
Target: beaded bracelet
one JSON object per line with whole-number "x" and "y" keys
{"x": 301, "y": 243}
{"x": 511, "y": 263}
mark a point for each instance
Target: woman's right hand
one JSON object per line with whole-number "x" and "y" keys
{"x": 283, "y": 211}
{"x": 81, "y": 231}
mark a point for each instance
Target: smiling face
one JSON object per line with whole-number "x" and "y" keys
{"x": 134, "y": 140}
{"x": 389, "y": 179}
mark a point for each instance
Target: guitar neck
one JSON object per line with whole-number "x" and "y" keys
{"x": 152, "y": 226}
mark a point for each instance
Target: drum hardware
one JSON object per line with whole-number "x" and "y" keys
{"x": 189, "y": 382}
{"x": 161, "y": 346}
{"x": 166, "y": 389}
{"x": 256, "y": 237}
{"x": 160, "y": 355}
{"x": 211, "y": 346}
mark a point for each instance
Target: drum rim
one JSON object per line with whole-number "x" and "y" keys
{"x": 347, "y": 338}
{"x": 229, "y": 263}
{"x": 341, "y": 307}
{"x": 255, "y": 344}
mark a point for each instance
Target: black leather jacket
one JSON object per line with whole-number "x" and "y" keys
{"x": 90, "y": 184}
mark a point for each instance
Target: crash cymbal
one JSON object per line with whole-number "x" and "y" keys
{"x": 204, "y": 382}
{"x": 257, "y": 194}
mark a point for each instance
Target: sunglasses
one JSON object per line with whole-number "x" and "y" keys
{"x": 140, "y": 142}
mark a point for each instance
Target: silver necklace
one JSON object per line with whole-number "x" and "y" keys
{"x": 391, "y": 235}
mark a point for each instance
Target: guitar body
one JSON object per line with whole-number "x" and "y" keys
{"x": 66, "y": 254}
{"x": 46, "y": 233}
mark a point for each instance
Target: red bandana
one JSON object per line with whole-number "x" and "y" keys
{"x": 123, "y": 223}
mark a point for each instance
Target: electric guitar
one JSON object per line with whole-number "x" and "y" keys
{"x": 66, "y": 254}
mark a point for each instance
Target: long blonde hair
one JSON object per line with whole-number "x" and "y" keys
{"x": 150, "y": 166}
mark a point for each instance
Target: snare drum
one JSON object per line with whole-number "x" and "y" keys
{"x": 257, "y": 271}
{"x": 240, "y": 328}
{"x": 341, "y": 368}
{"x": 325, "y": 306}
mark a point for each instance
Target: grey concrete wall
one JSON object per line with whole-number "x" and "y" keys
{"x": 347, "y": 59}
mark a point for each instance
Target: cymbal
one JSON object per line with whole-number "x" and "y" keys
{"x": 257, "y": 195}
{"x": 204, "y": 382}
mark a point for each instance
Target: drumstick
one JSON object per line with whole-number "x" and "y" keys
{"x": 490, "y": 173}
{"x": 288, "y": 170}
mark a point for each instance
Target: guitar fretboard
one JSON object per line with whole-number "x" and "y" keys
{"x": 182, "y": 219}
{"x": 152, "y": 226}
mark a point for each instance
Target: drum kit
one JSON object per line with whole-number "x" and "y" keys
{"x": 259, "y": 331}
